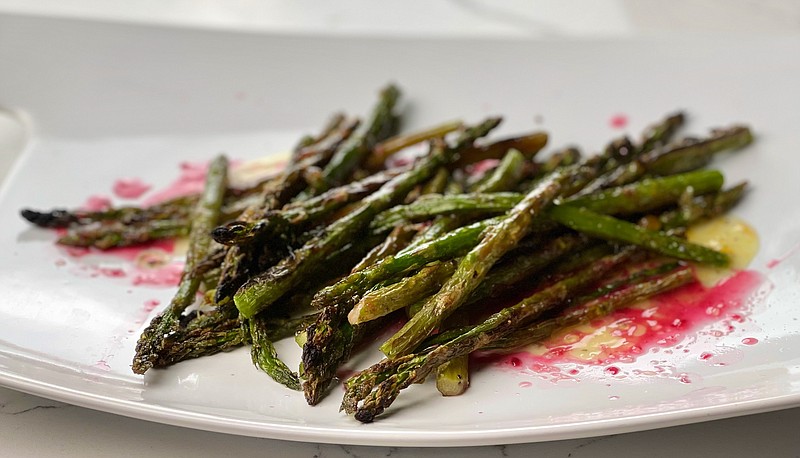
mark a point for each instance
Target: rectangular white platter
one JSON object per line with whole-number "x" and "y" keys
{"x": 100, "y": 102}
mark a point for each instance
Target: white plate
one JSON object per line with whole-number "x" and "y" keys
{"x": 111, "y": 101}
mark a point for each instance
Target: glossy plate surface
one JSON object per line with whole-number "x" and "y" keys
{"x": 105, "y": 102}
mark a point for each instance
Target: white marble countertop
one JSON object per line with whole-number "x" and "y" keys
{"x": 34, "y": 426}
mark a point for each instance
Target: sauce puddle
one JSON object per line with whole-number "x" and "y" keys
{"x": 711, "y": 306}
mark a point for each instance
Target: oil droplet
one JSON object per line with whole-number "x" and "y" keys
{"x": 749, "y": 341}
{"x": 613, "y": 398}
{"x": 525, "y": 384}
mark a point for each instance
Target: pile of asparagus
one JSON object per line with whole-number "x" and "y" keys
{"x": 475, "y": 244}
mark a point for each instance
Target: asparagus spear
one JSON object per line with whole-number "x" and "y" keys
{"x": 525, "y": 264}
{"x": 451, "y": 245}
{"x": 264, "y": 355}
{"x": 692, "y": 153}
{"x": 636, "y": 197}
{"x": 594, "y": 308}
{"x": 528, "y": 145}
{"x": 388, "y": 147}
{"x": 259, "y": 292}
{"x": 609, "y": 228}
{"x": 429, "y": 206}
{"x": 379, "y": 385}
{"x": 331, "y": 338}
{"x": 118, "y": 234}
{"x": 301, "y": 212}
{"x": 452, "y": 377}
{"x": 507, "y": 175}
{"x": 264, "y": 289}
{"x": 398, "y": 239}
{"x": 151, "y": 342}
{"x": 304, "y": 146}
{"x": 199, "y": 341}
{"x": 649, "y": 194}
{"x": 473, "y": 267}
{"x": 60, "y": 218}
{"x": 406, "y": 292}
{"x": 351, "y": 154}
{"x": 660, "y": 132}
{"x": 702, "y": 207}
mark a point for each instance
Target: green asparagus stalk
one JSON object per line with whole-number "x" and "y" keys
{"x": 116, "y": 234}
{"x": 528, "y": 145}
{"x": 301, "y": 212}
{"x": 265, "y": 357}
{"x": 379, "y": 385}
{"x": 610, "y": 228}
{"x": 331, "y": 339}
{"x": 649, "y": 194}
{"x": 406, "y": 292}
{"x": 352, "y": 153}
{"x": 707, "y": 206}
{"x": 525, "y": 264}
{"x": 660, "y": 133}
{"x": 199, "y": 341}
{"x": 151, "y": 342}
{"x": 305, "y": 146}
{"x": 438, "y": 183}
{"x": 387, "y": 148}
{"x": 561, "y": 158}
{"x": 597, "y": 307}
{"x": 398, "y": 239}
{"x": 261, "y": 291}
{"x": 692, "y": 153}
{"x": 451, "y": 245}
{"x": 452, "y": 377}
{"x": 637, "y": 197}
{"x": 497, "y": 241}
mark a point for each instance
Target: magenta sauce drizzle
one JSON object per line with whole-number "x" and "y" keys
{"x": 131, "y": 188}
{"x": 618, "y": 121}
{"x": 662, "y": 323}
{"x": 150, "y": 264}
{"x": 190, "y": 181}
{"x": 97, "y": 203}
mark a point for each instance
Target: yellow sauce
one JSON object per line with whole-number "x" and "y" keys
{"x": 252, "y": 171}
{"x": 597, "y": 341}
{"x": 729, "y": 235}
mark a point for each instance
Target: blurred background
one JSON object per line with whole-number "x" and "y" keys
{"x": 444, "y": 18}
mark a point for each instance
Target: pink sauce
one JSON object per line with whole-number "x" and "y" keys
{"x": 151, "y": 304}
{"x": 135, "y": 253}
{"x": 191, "y": 181}
{"x": 618, "y": 121}
{"x": 661, "y": 326}
{"x": 131, "y": 188}
{"x": 481, "y": 167}
{"x": 167, "y": 276}
{"x": 97, "y": 203}
{"x": 777, "y": 261}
